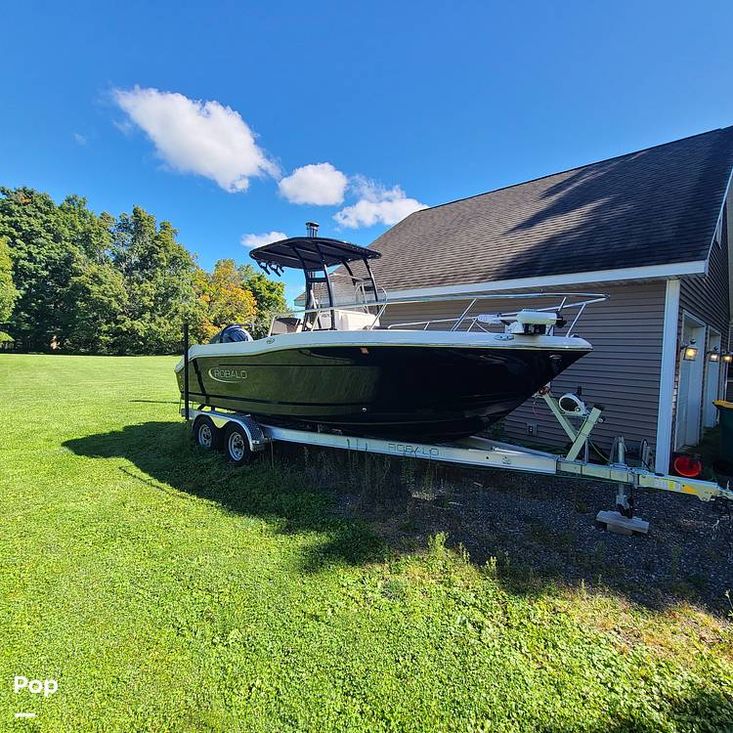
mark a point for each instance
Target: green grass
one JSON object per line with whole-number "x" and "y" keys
{"x": 167, "y": 591}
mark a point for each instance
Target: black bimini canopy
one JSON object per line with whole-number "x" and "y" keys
{"x": 309, "y": 253}
{"x": 314, "y": 255}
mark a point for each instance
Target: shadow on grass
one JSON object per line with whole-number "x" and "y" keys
{"x": 165, "y": 455}
{"x": 533, "y": 530}
{"x": 702, "y": 709}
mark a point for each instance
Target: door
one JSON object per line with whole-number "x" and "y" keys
{"x": 690, "y": 385}
{"x": 712, "y": 382}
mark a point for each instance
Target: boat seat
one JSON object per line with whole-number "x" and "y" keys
{"x": 347, "y": 320}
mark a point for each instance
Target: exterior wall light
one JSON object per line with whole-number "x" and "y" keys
{"x": 727, "y": 357}
{"x": 714, "y": 354}
{"x": 689, "y": 351}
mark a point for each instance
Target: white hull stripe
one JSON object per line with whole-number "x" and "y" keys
{"x": 373, "y": 339}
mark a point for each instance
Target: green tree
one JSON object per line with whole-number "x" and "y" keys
{"x": 158, "y": 274}
{"x": 223, "y": 299}
{"x": 92, "y": 283}
{"x": 85, "y": 230}
{"x": 269, "y": 298}
{"x": 41, "y": 264}
{"x": 98, "y": 300}
{"x": 8, "y": 291}
{"x": 50, "y": 246}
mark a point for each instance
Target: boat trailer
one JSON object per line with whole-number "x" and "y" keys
{"x": 241, "y": 436}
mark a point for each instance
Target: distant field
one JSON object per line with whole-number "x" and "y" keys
{"x": 166, "y": 591}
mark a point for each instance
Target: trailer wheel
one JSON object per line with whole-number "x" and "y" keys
{"x": 236, "y": 445}
{"x": 206, "y": 434}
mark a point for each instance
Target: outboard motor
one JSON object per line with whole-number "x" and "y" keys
{"x": 232, "y": 334}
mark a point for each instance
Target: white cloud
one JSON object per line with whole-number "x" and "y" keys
{"x": 376, "y": 205}
{"x": 191, "y": 136}
{"x": 79, "y": 139}
{"x": 257, "y": 240}
{"x": 318, "y": 183}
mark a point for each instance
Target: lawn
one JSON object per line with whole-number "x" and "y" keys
{"x": 168, "y": 591}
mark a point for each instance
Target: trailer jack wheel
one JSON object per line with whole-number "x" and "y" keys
{"x": 206, "y": 434}
{"x": 236, "y": 445}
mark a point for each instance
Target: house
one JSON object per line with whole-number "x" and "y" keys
{"x": 650, "y": 229}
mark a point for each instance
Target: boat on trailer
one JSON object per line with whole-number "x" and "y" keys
{"x": 342, "y": 374}
{"x": 342, "y": 364}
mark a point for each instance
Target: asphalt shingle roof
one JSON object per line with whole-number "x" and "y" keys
{"x": 652, "y": 207}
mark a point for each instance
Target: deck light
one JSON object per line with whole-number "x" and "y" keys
{"x": 714, "y": 354}
{"x": 727, "y": 357}
{"x": 689, "y": 351}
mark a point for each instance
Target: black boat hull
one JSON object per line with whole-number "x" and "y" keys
{"x": 419, "y": 393}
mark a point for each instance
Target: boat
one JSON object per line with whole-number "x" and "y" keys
{"x": 343, "y": 364}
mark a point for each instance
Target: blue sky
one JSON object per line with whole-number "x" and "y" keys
{"x": 408, "y": 103}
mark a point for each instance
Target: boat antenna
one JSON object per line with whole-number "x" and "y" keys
{"x": 311, "y": 227}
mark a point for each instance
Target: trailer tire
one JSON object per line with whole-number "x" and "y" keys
{"x": 236, "y": 444}
{"x": 205, "y": 434}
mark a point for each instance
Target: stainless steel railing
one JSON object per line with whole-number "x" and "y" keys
{"x": 576, "y": 302}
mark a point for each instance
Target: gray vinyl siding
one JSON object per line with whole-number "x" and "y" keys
{"x": 622, "y": 373}
{"x": 706, "y": 296}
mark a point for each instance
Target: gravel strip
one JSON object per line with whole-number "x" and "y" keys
{"x": 542, "y": 528}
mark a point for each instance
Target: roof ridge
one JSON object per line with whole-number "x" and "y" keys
{"x": 574, "y": 168}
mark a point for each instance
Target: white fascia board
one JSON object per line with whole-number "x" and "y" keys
{"x": 653, "y": 272}
{"x": 667, "y": 376}
{"x": 719, "y": 220}
{"x": 729, "y": 233}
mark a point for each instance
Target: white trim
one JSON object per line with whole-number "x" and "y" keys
{"x": 729, "y": 236}
{"x": 667, "y": 375}
{"x": 718, "y": 234}
{"x": 719, "y": 221}
{"x": 696, "y": 267}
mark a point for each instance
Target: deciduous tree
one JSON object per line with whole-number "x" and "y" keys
{"x": 269, "y": 296}
{"x": 8, "y": 291}
{"x": 91, "y": 283}
{"x": 224, "y": 298}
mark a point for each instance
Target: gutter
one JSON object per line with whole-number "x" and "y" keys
{"x": 653, "y": 272}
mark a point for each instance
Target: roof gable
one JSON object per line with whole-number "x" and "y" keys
{"x": 657, "y": 206}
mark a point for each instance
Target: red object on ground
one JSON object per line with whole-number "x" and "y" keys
{"x": 687, "y": 466}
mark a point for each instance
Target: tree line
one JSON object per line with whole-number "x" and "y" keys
{"x": 79, "y": 282}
